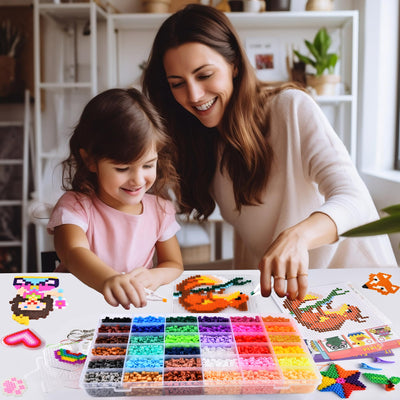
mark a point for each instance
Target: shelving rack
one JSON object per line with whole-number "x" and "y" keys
{"x": 19, "y": 200}
{"x": 290, "y": 27}
{"x": 62, "y": 88}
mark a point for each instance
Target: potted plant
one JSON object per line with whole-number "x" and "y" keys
{"x": 385, "y": 225}
{"x": 324, "y": 80}
{"x": 10, "y": 40}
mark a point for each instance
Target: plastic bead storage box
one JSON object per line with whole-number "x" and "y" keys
{"x": 193, "y": 355}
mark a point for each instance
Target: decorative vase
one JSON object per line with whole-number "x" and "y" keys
{"x": 278, "y": 5}
{"x": 319, "y": 5}
{"x": 324, "y": 85}
{"x": 156, "y": 6}
{"x": 7, "y": 75}
{"x": 252, "y": 6}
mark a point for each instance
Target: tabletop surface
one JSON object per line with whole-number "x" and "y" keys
{"x": 84, "y": 307}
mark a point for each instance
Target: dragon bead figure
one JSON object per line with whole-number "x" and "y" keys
{"x": 201, "y": 293}
{"x": 316, "y": 313}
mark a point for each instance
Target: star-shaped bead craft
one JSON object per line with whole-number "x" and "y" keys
{"x": 342, "y": 382}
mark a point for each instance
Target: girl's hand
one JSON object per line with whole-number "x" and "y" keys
{"x": 148, "y": 277}
{"x": 287, "y": 262}
{"x": 124, "y": 289}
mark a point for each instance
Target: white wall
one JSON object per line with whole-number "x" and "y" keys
{"x": 378, "y": 102}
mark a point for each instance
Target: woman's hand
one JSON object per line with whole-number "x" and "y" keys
{"x": 287, "y": 258}
{"x": 287, "y": 262}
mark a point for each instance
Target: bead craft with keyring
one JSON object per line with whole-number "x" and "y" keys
{"x": 153, "y": 355}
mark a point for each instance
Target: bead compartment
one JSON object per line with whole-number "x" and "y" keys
{"x": 194, "y": 355}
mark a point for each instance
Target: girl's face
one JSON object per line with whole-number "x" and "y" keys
{"x": 201, "y": 81}
{"x": 122, "y": 186}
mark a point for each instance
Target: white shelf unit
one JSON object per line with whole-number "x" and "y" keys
{"x": 131, "y": 36}
{"x": 15, "y": 161}
{"x": 70, "y": 68}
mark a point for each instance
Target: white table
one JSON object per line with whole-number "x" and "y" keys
{"x": 85, "y": 307}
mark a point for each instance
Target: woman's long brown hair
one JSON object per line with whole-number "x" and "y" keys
{"x": 243, "y": 136}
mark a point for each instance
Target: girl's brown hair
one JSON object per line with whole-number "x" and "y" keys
{"x": 246, "y": 155}
{"x": 119, "y": 125}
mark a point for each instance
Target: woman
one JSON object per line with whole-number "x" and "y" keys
{"x": 267, "y": 156}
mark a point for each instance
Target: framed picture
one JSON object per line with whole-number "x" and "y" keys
{"x": 267, "y": 57}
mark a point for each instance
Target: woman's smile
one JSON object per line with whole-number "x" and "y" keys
{"x": 206, "y": 106}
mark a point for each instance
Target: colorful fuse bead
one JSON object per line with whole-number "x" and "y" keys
{"x": 183, "y": 375}
{"x": 256, "y": 362}
{"x": 220, "y": 363}
{"x": 182, "y": 350}
{"x": 147, "y": 339}
{"x": 275, "y": 319}
{"x": 227, "y": 376}
{"x": 214, "y": 328}
{"x": 149, "y": 320}
{"x": 181, "y": 328}
{"x": 284, "y": 338}
{"x": 140, "y": 350}
{"x": 253, "y": 349}
{"x": 170, "y": 338}
{"x": 216, "y": 339}
{"x": 120, "y": 320}
{"x": 147, "y": 328}
{"x": 247, "y": 328}
{"x": 192, "y": 362}
{"x": 146, "y": 376}
{"x": 217, "y": 351}
{"x": 114, "y": 328}
{"x": 108, "y": 351}
{"x": 263, "y": 374}
{"x": 144, "y": 363}
{"x": 246, "y": 319}
{"x": 250, "y": 338}
{"x": 103, "y": 376}
{"x": 112, "y": 339}
{"x": 288, "y": 349}
{"x": 213, "y": 319}
{"x": 188, "y": 319}
{"x": 279, "y": 328}
{"x": 299, "y": 373}
{"x": 293, "y": 361}
{"x": 105, "y": 364}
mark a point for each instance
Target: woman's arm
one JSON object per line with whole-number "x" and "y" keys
{"x": 287, "y": 257}
{"x": 73, "y": 249}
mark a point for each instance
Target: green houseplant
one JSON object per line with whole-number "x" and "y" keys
{"x": 385, "y": 225}
{"x": 324, "y": 80}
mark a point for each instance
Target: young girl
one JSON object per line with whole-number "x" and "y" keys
{"x": 115, "y": 214}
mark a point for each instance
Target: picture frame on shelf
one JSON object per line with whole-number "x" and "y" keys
{"x": 267, "y": 57}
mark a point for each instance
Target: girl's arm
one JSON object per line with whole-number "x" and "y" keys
{"x": 169, "y": 265}
{"x": 287, "y": 257}
{"x": 73, "y": 249}
{"x": 169, "y": 261}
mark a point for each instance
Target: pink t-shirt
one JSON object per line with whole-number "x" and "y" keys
{"x": 123, "y": 241}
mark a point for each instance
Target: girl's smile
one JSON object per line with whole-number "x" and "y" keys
{"x": 201, "y": 81}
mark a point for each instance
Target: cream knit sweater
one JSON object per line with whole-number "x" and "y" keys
{"x": 311, "y": 171}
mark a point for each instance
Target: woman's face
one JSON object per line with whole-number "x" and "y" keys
{"x": 201, "y": 81}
